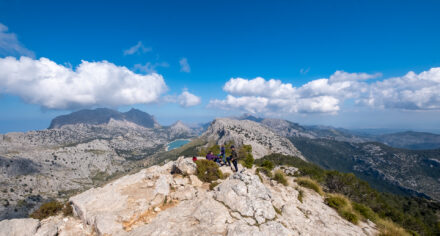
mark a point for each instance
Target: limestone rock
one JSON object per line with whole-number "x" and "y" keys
{"x": 186, "y": 166}
{"x": 19, "y": 227}
{"x": 246, "y": 194}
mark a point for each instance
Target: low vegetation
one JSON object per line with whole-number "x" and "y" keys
{"x": 265, "y": 171}
{"x": 47, "y": 209}
{"x": 280, "y": 177}
{"x": 343, "y": 206}
{"x": 208, "y": 171}
{"x": 310, "y": 183}
{"x": 300, "y": 195}
{"x": 245, "y": 154}
{"x": 213, "y": 185}
{"x": 394, "y": 214}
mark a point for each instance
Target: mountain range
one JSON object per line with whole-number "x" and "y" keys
{"x": 90, "y": 147}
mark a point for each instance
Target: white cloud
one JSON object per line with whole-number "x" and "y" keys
{"x": 138, "y": 48}
{"x": 55, "y": 86}
{"x": 10, "y": 46}
{"x": 149, "y": 67}
{"x": 327, "y": 95}
{"x": 187, "y": 99}
{"x": 410, "y": 92}
{"x": 184, "y": 65}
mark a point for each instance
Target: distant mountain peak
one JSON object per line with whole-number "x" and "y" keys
{"x": 249, "y": 116}
{"x": 103, "y": 116}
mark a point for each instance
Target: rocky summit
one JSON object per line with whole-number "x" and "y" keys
{"x": 263, "y": 140}
{"x": 156, "y": 202}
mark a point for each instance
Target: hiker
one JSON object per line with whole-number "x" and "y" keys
{"x": 223, "y": 154}
{"x": 210, "y": 156}
{"x": 233, "y": 158}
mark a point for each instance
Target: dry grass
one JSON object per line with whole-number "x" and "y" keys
{"x": 389, "y": 228}
{"x": 343, "y": 206}
{"x": 280, "y": 177}
{"x": 310, "y": 183}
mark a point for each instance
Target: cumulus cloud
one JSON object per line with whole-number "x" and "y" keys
{"x": 10, "y": 46}
{"x": 138, "y": 48}
{"x": 326, "y": 95}
{"x": 184, "y": 65}
{"x": 187, "y": 99}
{"x": 55, "y": 86}
{"x": 410, "y": 92}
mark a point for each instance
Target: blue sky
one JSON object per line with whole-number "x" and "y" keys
{"x": 226, "y": 45}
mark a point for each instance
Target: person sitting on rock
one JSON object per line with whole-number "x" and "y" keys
{"x": 233, "y": 158}
{"x": 210, "y": 156}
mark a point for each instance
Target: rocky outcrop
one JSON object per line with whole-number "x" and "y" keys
{"x": 156, "y": 202}
{"x": 263, "y": 140}
{"x": 19, "y": 227}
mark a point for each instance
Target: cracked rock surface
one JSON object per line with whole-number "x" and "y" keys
{"x": 156, "y": 202}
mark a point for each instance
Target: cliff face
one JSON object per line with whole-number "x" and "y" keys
{"x": 156, "y": 202}
{"x": 263, "y": 140}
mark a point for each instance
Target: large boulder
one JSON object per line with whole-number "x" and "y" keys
{"x": 185, "y": 166}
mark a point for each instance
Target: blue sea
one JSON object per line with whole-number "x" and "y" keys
{"x": 177, "y": 143}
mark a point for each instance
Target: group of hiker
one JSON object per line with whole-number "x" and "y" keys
{"x": 221, "y": 159}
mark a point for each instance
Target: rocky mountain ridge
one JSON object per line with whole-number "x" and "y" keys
{"x": 156, "y": 202}
{"x": 263, "y": 140}
{"x": 103, "y": 116}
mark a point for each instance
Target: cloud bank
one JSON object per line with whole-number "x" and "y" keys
{"x": 409, "y": 92}
{"x": 10, "y": 46}
{"x": 54, "y": 86}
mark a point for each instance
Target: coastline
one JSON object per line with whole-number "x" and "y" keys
{"x": 180, "y": 139}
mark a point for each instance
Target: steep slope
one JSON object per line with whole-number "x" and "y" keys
{"x": 156, "y": 202}
{"x": 103, "y": 116}
{"x": 413, "y": 172}
{"x": 263, "y": 140}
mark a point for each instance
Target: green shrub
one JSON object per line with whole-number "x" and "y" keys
{"x": 267, "y": 164}
{"x": 280, "y": 177}
{"x": 213, "y": 185}
{"x": 265, "y": 171}
{"x": 47, "y": 209}
{"x": 208, "y": 171}
{"x": 365, "y": 211}
{"x": 349, "y": 215}
{"x": 343, "y": 206}
{"x": 310, "y": 183}
{"x": 336, "y": 201}
{"x": 245, "y": 154}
